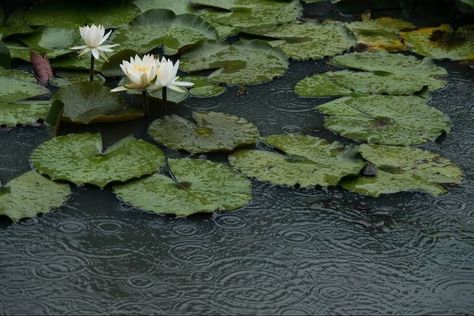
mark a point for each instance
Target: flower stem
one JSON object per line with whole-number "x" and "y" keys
{"x": 91, "y": 73}
{"x": 145, "y": 102}
{"x": 164, "y": 100}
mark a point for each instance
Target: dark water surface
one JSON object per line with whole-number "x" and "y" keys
{"x": 290, "y": 251}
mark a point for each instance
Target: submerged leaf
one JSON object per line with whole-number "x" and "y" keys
{"x": 78, "y": 158}
{"x": 212, "y": 131}
{"x": 199, "y": 186}
{"x": 404, "y": 169}
{"x": 16, "y": 85}
{"x": 24, "y": 113}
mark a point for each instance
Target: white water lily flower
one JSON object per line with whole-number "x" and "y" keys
{"x": 166, "y": 77}
{"x": 141, "y": 73}
{"x": 94, "y": 37}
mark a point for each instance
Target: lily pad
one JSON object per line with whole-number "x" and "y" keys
{"x": 53, "y": 41}
{"x": 442, "y": 42}
{"x": 78, "y": 158}
{"x": 242, "y": 63}
{"x": 25, "y": 113}
{"x": 404, "y": 169}
{"x": 212, "y": 132}
{"x": 17, "y": 85}
{"x": 389, "y": 120}
{"x": 5, "y": 56}
{"x": 74, "y": 62}
{"x": 31, "y": 194}
{"x": 178, "y": 7}
{"x": 198, "y": 186}
{"x": 162, "y": 27}
{"x": 305, "y": 161}
{"x": 203, "y": 87}
{"x": 15, "y": 24}
{"x": 66, "y": 78}
{"x": 308, "y": 40}
{"x": 87, "y": 102}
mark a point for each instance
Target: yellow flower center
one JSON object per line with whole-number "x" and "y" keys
{"x": 142, "y": 69}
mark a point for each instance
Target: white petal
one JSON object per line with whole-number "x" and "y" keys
{"x": 105, "y": 38}
{"x": 183, "y": 83}
{"x": 79, "y": 47}
{"x": 95, "y": 53}
{"x": 118, "y": 89}
{"x": 176, "y": 88}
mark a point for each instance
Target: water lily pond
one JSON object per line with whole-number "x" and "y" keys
{"x": 237, "y": 157}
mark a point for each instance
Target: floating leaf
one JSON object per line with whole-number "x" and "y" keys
{"x": 308, "y": 161}
{"x": 87, "y": 102}
{"x": 111, "y": 68}
{"x": 244, "y": 62}
{"x": 212, "y": 132}
{"x": 178, "y": 7}
{"x": 41, "y": 68}
{"x": 389, "y": 120}
{"x": 53, "y": 41}
{"x": 74, "y": 62}
{"x": 308, "y": 40}
{"x": 78, "y": 158}
{"x": 203, "y": 87}
{"x": 31, "y": 194}
{"x": 5, "y": 57}
{"x": 15, "y": 24}
{"x": 17, "y": 85}
{"x": 442, "y": 42}
{"x": 404, "y": 169}
{"x": 199, "y": 186}
{"x": 25, "y": 113}
{"x": 66, "y": 78}
{"x": 162, "y": 27}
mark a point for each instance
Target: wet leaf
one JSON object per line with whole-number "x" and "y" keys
{"x": 31, "y": 194}
{"x": 390, "y": 120}
{"x": 24, "y": 113}
{"x": 78, "y": 158}
{"x": 16, "y": 85}
{"x": 74, "y": 62}
{"x": 404, "y": 169}
{"x": 87, "y": 102}
{"x": 201, "y": 186}
{"x": 203, "y": 87}
{"x": 242, "y": 63}
{"x": 66, "y": 78}
{"x": 307, "y": 161}
{"x": 41, "y": 68}
{"x": 212, "y": 132}
{"x": 53, "y": 41}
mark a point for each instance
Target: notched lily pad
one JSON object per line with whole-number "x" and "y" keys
{"x": 24, "y": 113}
{"x": 242, "y": 63}
{"x": 198, "y": 186}
{"x": 16, "y": 85}
{"x": 389, "y": 120}
{"x": 212, "y": 132}
{"x": 304, "y": 160}
{"x": 78, "y": 158}
{"x": 404, "y": 169}
{"x": 31, "y": 194}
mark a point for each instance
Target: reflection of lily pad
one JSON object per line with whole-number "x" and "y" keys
{"x": 203, "y": 87}
{"x": 87, "y": 102}
{"x": 31, "y": 194}
{"x": 212, "y": 132}
{"x": 390, "y": 120}
{"x": 25, "y": 113}
{"x": 309, "y": 40}
{"x": 199, "y": 186}
{"x": 162, "y": 27}
{"x": 16, "y": 85}
{"x": 53, "y": 41}
{"x": 404, "y": 169}
{"x": 309, "y": 161}
{"x": 442, "y": 42}
{"x": 244, "y": 62}
{"x": 79, "y": 158}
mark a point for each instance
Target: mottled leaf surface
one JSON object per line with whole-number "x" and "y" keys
{"x": 17, "y": 85}
{"x": 24, "y": 113}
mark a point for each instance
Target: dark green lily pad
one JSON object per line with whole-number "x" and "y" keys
{"x": 15, "y": 24}
{"x": 308, "y": 40}
{"x": 404, "y": 169}
{"x": 199, "y": 186}
{"x": 25, "y": 113}
{"x": 74, "y": 62}
{"x": 308, "y": 161}
{"x": 16, "y": 85}
{"x": 66, "y": 78}
{"x": 31, "y": 194}
{"x": 178, "y": 7}
{"x": 203, "y": 87}
{"x": 442, "y": 42}
{"x": 162, "y": 27}
{"x": 78, "y": 158}
{"x": 5, "y": 56}
{"x": 53, "y": 41}
{"x": 87, "y": 102}
{"x": 18, "y": 51}
{"x": 212, "y": 132}
{"x": 242, "y": 63}
{"x": 389, "y": 120}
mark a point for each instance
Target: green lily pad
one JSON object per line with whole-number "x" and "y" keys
{"x": 66, "y": 78}
{"x": 203, "y": 87}
{"x": 15, "y": 24}
{"x": 90, "y": 102}
{"x": 308, "y": 40}
{"x": 223, "y": 31}
{"x": 5, "y": 56}
{"x": 347, "y": 82}
{"x": 17, "y": 85}
{"x": 212, "y": 132}
{"x": 162, "y": 27}
{"x": 389, "y": 120}
{"x": 25, "y": 113}
{"x": 31, "y": 194}
{"x": 74, "y": 62}
{"x": 178, "y": 7}
{"x": 242, "y": 63}
{"x": 57, "y": 13}
{"x": 78, "y": 158}
{"x": 404, "y": 169}
{"x": 442, "y": 42}
{"x": 18, "y": 51}
{"x": 308, "y": 161}
{"x": 53, "y": 41}
{"x": 199, "y": 186}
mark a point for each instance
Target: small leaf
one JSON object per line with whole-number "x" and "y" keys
{"x": 41, "y": 68}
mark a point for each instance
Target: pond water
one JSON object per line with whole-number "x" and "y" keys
{"x": 290, "y": 251}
